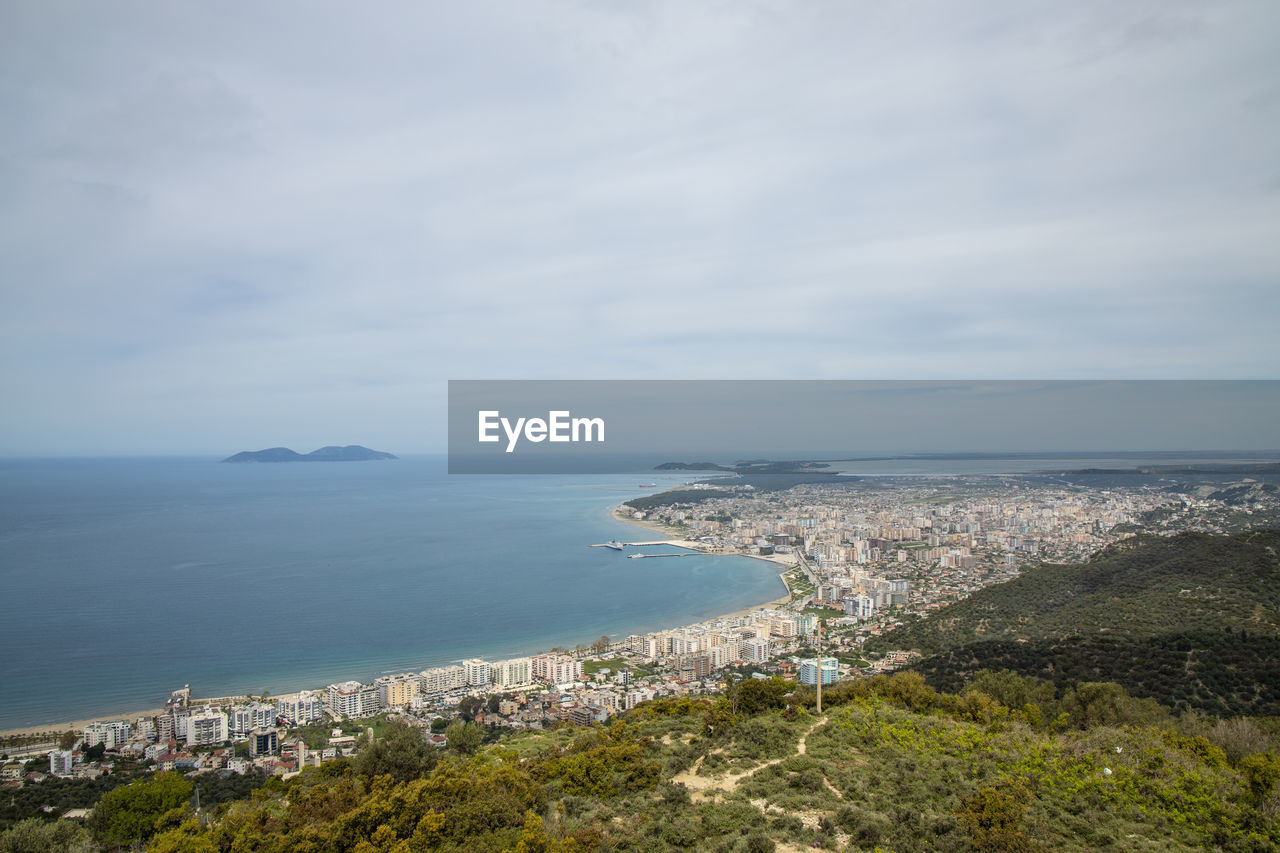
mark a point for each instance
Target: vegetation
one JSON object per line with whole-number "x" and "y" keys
{"x": 1192, "y": 621}
{"x": 401, "y": 753}
{"x": 1006, "y": 763}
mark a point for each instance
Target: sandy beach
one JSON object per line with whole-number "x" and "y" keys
{"x": 55, "y": 729}
{"x": 670, "y": 535}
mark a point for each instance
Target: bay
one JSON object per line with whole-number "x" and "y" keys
{"x": 124, "y": 579}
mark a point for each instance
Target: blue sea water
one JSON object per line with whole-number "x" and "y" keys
{"x": 123, "y": 579}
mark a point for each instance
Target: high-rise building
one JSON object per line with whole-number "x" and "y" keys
{"x": 60, "y": 761}
{"x": 809, "y": 671}
{"x": 756, "y": 649}
{"x": 397, "y": 691}
{"x": 245, "y": 718}
{"x": 113, "y": 734}
{"x": 516, "y": 672}
{"x": 206, "y": 728}
{"x": 557, "y": 669}
{"x": 434, "y": 682}
{"x": 145, "y": 727}
{"x": 263, "y": 742}
{"x": 301, "y": 708}
{"x": 352, "y": 699}
{"x": 477, "y": 672}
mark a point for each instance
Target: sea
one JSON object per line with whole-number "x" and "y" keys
{"x": 123, "y": 579}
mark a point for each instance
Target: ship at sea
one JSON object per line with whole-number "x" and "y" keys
{"x": 614, "y": 544}
{"x": 648, "y": 485}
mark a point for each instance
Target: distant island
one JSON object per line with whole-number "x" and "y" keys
{"x": 331, "y": 453}
{"x": 690, "y": 466}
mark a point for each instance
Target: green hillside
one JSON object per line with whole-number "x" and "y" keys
{"x": 890, "y": 764}
{"x": 1192, "y": 620}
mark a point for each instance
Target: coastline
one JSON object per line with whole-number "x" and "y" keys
{"x": 787, "y": 564}
{"x": 54, "y": 730}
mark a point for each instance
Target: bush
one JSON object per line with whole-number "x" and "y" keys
{"x": 759, "y": 844}
{"x": 1238, "y": 737}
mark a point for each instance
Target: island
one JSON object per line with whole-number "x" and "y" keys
{"x": 329, "y": 453}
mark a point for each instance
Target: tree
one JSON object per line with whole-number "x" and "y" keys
{"x": 492, "y": 704}
{"x": 469, "y": 707}
{"x": 464, "y": 738}
{"x": 36, "y": 835}
{"x": 67, "y": 740}
{"x": 600, "y": 645}
{"x": 754, "y": 695}
{"x": 401, "y": 753}
{"x": 129, "y": 814}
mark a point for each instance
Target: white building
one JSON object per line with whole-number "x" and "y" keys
{"x": 206, "y": 728}
{"x": 397, "y": 691}
{"x": 145, "y": 728}
{"x": 557, "y": 669}
{"x": 477, "y": 672}
{"x": 60, "y": 761}
{"x": 445, "y": 679}
{"x": 111, "y": 733}
{"x": 516, "y": 672}
{"x": 635, "y": 697}
{"x": 300, "y": 709}
{"x": 245, "y": 718}
{"x": 756, "y": 649}
{"x": 860, "y": 607}
{"x": 352, "y": 699}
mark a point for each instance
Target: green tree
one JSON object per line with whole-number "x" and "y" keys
{"x": 464, "y": 738}
{"x": 401, "y": 753}
{"x": 36, "y": 835}
{"x": 469, "y": 707}
{"x": 754, "y": 695}
{"x": 129, "y": 814}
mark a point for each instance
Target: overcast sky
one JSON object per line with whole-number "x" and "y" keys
{"x": 226, "y": 226}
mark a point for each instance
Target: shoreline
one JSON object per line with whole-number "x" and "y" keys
{"x": 55, "y": 730}
{"x": 688, "y": 545}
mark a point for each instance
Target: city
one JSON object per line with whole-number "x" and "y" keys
{"x": 856, "y": 563}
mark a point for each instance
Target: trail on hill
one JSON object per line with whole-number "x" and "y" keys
{"x": 702, "y": 787}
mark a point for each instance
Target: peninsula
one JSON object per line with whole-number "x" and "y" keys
{"x": 329, "y": 453}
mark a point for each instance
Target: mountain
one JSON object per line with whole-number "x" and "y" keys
{"x": 330, "y": 453}
{"x": 1192, "y": 621}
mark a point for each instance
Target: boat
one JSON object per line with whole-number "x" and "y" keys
{"x": 614, "y": 544}
{"x": 648, "y": 485}
{"x": 635, "y": 556}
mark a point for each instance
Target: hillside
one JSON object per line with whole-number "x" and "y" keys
{"x": 1191, "y": 620}
{"x": 889, "y": 764}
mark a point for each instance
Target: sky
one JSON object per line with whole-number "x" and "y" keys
{"x": 240, "y": 225}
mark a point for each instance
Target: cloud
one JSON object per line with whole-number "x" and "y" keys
{"x": 336, "y": 210}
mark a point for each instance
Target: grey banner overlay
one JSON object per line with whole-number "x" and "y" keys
{"x": 601, "y": 426}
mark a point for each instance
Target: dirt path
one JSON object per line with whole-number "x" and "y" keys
{"x": 702, "y": 787}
